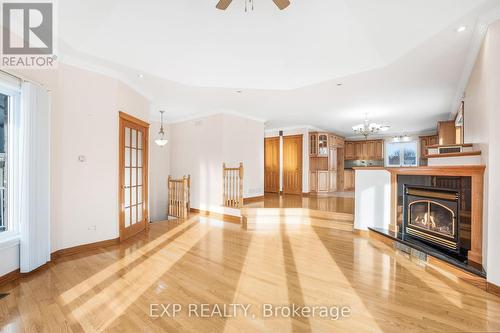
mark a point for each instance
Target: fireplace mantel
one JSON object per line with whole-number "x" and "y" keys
{"x": 476, "y": 172}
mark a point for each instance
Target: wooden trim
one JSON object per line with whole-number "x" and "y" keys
{"x": 465, "y": 153}
{"x": 223, "y": 217}
{"x": 140, "y": 125}
{"x": 83, "y": 248}
{"x": 393, "y": 226}
{"x": 451, "y": 145}
{"x": 462, "y": 170}
{"x": 476, "y": 172}
{"x": 492, "y": 288}
{"x": 253, "y": 199}
{"x": 10, "y": 277}
{"x": 16, "y": 274}
{"x": 461, "y": 274}
{"x": 362, "y": 233}
{"x": 126, "y": 116}
{"x": 369, "y": 168}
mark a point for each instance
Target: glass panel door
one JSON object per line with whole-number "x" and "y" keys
{"x": 134, "y": 178}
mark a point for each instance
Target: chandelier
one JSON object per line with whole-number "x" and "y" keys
{"x": 368, "y": 128}
{"x": 161, "y": 141}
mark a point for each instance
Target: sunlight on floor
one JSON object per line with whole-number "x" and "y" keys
{"x": 319, "y": 280}
{"x": 86, "y": 285}
{"x": 262, "y": 277}
{"x": 107, "y": 305}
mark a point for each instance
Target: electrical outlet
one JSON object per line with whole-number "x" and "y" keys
{"x": 92, "y": 228}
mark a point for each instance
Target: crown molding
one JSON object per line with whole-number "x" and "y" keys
{"x": 202, "y": 115}
{"x": 78, "y": 62}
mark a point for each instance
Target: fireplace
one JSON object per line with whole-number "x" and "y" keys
{"x": 432, "y": 215}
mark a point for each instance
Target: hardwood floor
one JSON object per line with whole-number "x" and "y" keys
{"x": 342, "y": 203}
{"x": 203, "y": 260}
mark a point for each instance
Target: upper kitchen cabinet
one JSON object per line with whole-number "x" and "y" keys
{"x": 319, "y": 144}
{"x": 364, "y": 150}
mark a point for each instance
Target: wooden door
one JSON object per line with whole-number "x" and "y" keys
{"x": 370, "y": 150}
{"x": 323, "y": 177}
{"x": 358, "y": 150}
{"x": 379, "y": 150}
{"x": 292, "y": 164}
{"x": 272, "y": 165}
{"x": 313, "y": 144}
{"x": 349, "y": 150}
{"x": 133, "y": 191}
{"x": 332, "y": 159}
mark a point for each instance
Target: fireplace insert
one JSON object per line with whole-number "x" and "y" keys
{"x": 432, "y": 215}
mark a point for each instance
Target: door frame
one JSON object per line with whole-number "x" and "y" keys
{"x": 279, "y": 166}
{"x": 124, "y": 117}
{"x": 301, "y": 155}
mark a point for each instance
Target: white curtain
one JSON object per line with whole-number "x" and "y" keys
{"x": 34, "y": 177}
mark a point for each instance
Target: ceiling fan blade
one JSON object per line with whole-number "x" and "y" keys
{"x": 282, "y": 4}
{"x": 223, "y": 4}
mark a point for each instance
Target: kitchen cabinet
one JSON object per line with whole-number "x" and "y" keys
{"x": 349, "y": 180}
{"x": 326, "y": 163}
{"x": 349, "y": 150}
{"x": 335, "y": 141}
{"x": 364, "y": 150}
{"x": 426, "y": 141}
{"x": 318, "y": 144}
{"x": 447, "y": 132}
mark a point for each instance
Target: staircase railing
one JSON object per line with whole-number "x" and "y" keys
{"x": 232, "y": 186}
{"x": 178, "y": 196}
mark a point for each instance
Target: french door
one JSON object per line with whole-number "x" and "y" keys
{"x": 133, "y": 191}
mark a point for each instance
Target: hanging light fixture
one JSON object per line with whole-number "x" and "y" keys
{"x": 368, "y": 128}
{"x": 161, "y": 141}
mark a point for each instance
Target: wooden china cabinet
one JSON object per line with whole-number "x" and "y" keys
{"x": 326, "y": 163}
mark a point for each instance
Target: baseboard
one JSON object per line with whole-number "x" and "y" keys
{"x": 252, "y": 199}
{"x": 362, "y": 233}
{"x": 493, "y": 288}
{"x": 9, "y": 277}
{"x": 83, "y": 248}
{"x": 223, "y": 217}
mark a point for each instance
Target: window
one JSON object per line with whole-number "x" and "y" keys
{"x": 4, "y": 117}
{"x": 402, "y": 154}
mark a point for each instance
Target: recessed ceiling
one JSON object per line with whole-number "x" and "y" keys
{"x": 400, "y": 61}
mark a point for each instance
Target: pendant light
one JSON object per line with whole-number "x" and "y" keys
{"x": 161, "y": 141}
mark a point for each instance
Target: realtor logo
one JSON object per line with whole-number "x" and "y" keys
{"x": 28, "y": 34}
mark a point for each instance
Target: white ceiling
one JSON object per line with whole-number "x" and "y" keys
{"x": 399, "y": 61}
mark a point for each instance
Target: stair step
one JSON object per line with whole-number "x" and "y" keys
{"x": 275, "y": 222}
{"x": 296, "y": 212}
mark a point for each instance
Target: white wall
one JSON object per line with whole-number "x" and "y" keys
{"x": 305, "y": 152}
{"x": 372, "y": 199}
{"x": 482, "y": 116}
{"x": 159, "y": 169}
{"x": 84, "y": 121}
{"x": 199, "y": 147}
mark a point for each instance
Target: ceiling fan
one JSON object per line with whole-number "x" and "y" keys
{"x": 223, "y": 4}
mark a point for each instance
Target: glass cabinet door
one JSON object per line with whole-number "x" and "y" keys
{"x": 323, "y": 145}
{"x": 313, "y": 144}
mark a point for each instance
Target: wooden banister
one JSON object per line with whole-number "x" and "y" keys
{"x": 178, "y": 196}
{"x": 232, "y": 180}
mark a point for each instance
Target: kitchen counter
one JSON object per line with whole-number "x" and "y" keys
{"x": 369, "y": 168}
